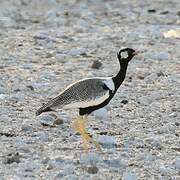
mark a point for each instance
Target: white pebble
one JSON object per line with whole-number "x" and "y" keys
{"x": 90, "y": 159}
{"x": 177, "y": 163}
{"x": 107, "y": 141}
{"x": 101, "y": 114}
{"x": 129, "y": 176}
{"x": 45, "y": 119}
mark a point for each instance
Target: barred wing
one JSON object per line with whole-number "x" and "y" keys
{"x": 83, "y": 93}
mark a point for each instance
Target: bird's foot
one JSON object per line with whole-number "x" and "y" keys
{"x": 79, "y": 125}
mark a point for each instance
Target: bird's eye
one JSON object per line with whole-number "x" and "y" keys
{"x": 124, "y": 54}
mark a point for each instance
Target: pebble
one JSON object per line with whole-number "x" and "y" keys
{"x": 144, "y": 100}
{"x": 177, "y": 163}
{"x": 154, "y": 141}
{"x": 90, "y": 159}
{"x": 116, "y": 163}
{"x": 53, "y": 163}
{"x": 58, "y": 122}
{"x": 101, "y": 114}
{"x": 42, "y": 136}
{"x": 107, "y": 141}
{"x": 151, "y": 78}
{"x": 27, "y": 128}
{"x": 11, "y": 158}
{"x": 129, "y": 176}
{"x": 124, "y": 101}
{"x": 96, "y": 64}
{"x": 148, "y": 158}
{"x": 173, "y": 115}
{"x": 68, "y": 177}
{"x": 13, "y": 177}
{"x": 77, "y": 52}
{"x": 47, "y": 119}
{"x": 168, "y": 128}
{"x": 92, "y": 170}
{"x": 2, "y": 90}
{"x": 151, "y": 10}
{"x": 66, "y": 170}
{"x": 3, "y": 96}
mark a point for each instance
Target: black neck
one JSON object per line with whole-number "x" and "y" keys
{"x": 119, "y": 78}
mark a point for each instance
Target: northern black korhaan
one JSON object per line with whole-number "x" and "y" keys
{"x": 89, "y": 95}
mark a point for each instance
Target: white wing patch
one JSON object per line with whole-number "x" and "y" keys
{"x": 85, "y": 104}
{"x": 109, "y": 83}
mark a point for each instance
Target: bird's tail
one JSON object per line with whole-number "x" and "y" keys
{"x": 43, "y": 109}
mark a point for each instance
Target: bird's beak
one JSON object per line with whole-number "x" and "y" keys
{"x": 135, "y": 53}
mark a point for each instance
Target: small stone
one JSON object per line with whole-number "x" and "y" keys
{"x": 151, "y": 11}
{"x": 45, "y": 160}
{"x": 144, "y": 100}
{"x": 11, "y": 158}
{"x": 47, "y": 119}
{"x": 101, "y": 114}
{"x": 177, "y": 123}
{"x": 96, "y": 64}
{"x": 43, "y": 136}
{"x": 178, "y": 13}
{"x": 177, "y": 163}
{"x": 30, "y": 87}
{"x": 151, "y": 78}
{"x": 141, "y": 77}
{"x": 92, "y": 170}
{"x": 129, "y": 176}
{"x": 160, "y": 74}
{"x": 77, "y": 52}
{"x": 2, "y": 90}
{"x": 164, "y": 12}
{"x": 174, "y": 114}
{"x": 107, "y": 141}
{"x": 154, "y": 141}
{"x": 124, "y": 101}
{"x": 26, "y": 128}
{"x": 58, "y": 122}
{"x": 49, "y": 167}
{"x": 117, "y": 163}
{"x": 168, "y": 128}
{"x": 90, "y": 159}
{"x": 3, "y": 96}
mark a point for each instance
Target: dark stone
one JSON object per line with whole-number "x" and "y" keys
{"x": 7, "y": 134}
{"x": 58, "y": 122}
{"x": 11, "y": 158}
{"x": 151, "y": 11}
{"x": 124, "y": 101}
{"x": 103, "y": 133}
{"x": 164, "y": 12}
{"x": 178, "y": 13}
{"x": 92, "y": 170}
{"x": 96, "y": 64}
{"x": 30, "y": 87}
{"x": 160, "y": 74}
{"x": 177, "y": 123}
{"x": 141, "y": 77}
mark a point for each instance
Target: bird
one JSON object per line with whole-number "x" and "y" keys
{"x": 90, "y": 94}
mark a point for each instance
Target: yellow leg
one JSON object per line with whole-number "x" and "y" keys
{"x": 79, "y": 126}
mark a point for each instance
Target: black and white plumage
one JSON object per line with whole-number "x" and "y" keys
{"x": 91, "y": 94}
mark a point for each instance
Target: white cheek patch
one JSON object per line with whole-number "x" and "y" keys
{"x": 124, "y": 54}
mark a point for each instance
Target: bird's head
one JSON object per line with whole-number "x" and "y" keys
{"x": 125, "y": 55}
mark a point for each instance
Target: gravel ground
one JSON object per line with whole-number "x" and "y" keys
{"x": 46, "y": 45}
